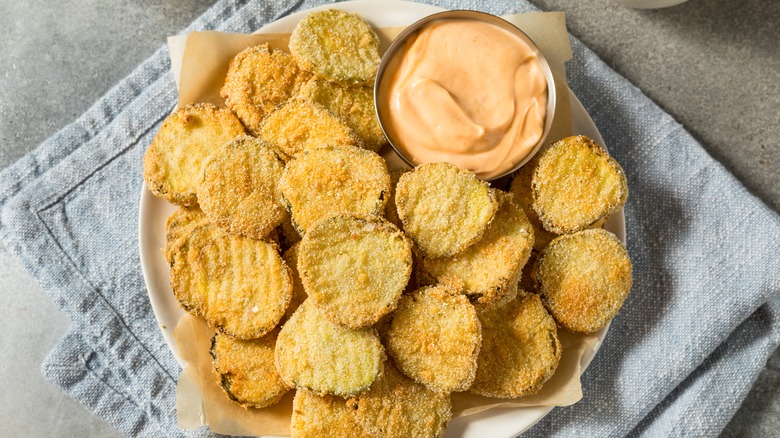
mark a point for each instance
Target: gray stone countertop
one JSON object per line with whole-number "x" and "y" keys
{"x": 712, "y": 64}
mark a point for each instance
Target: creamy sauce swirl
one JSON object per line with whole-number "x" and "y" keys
{"x": 466, "y": 92}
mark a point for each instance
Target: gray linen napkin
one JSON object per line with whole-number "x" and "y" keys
{"x": 700, "y": 322}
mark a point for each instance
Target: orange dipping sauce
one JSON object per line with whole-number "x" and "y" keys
{"x": 466, "y": 92}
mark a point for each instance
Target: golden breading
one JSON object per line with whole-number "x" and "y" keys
{"x": 315, "y": 416}
{"x": 489, "y": 270}
{"x": 258, "y": 80}
{"x": 299, "y": 293}
{"x": 391, "y": 212}
{"x": 179, "y": 224}
{"x": 241, "y": 286}
{"x": 523, "y": 196}
{"x": 398, "y": 407}
{"x": 339, "y": 179}
{"x": 299, "y": 125}
{"x": 336, "y": 45}
{"x": 444, "y": 209}
{"x": 520, "y": 349}
{"x": 575, "y": 184}
{"x": 434, "y": 338}
{"x": 245, "y": 370}
{"x": 583, "y": 279}
{"x": 313, "y": 353}
{"x": 353, "y": 104}
{"x": 355, "y": 269}
{"x": 239, "y": 189}
{"x": 174, "y": 160}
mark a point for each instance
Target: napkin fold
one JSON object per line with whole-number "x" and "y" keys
{"x": 697, "y": 328}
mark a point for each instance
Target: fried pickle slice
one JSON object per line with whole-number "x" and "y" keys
{"x": 391, "y": 212}
{"x": 523, "y": 197}
{"x": 241, "y": 286}
{"x": 444, "y": 209}
{"x": 353, "y": 104}
{"x": 398, "y": 407}
{"x": 336, "y": 45}
{"x": 520, "y": 349}
{"x": 173, "y": 162}
{"x": 299, "y": 125}
{"x": 488, "y": 271}
{"x": 315, "y": 416}
{"x": 575, "y": 184}
{"x": 435, "y": 337}
{"x": 583, "y": 279}
{"x": 313, "y": 353}
{"x": 259, "y": 80}
{"x": 239, "y": 189}
{"x": 179, "y": 224}
{"x": 245, "y": 370}
{"x": 299, "y": 293}
{"x": 338, "y": 179}
{"x": 355, "y": 268}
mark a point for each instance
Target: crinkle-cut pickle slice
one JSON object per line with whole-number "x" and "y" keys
{"x": 397, "y": 406}
{"x": 435, "y": 337}
{"x": 489, "y": 270}
{"x": 444, "y": 209}
{"x": 178, "y": 225}
{"x": 584, "y": 278}
{"x": 336, "y": 45}
{"x": 520, "y": 349}
{"x": 325, "y": 182}
{"x": 174, "y": 160}
{"x": 355, "y": 268}
{"x": 315, "y": 416}
{"x": 575, "y": 184}
{"x": 245, "y": 370}
{"x": 353, "y": 104}
{"x": 260, "y": 79}
{"x": 313, "y": 353}
{"x": 241, "y": 286}
{"x": 299, "y": 125}
{"x": 239, "y": 190}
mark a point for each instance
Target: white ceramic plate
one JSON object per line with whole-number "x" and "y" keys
{"x": 507, "y": 422}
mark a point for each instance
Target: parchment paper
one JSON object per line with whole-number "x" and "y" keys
{"x": 200, "y": 61}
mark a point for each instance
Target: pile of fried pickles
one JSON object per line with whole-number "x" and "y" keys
{"x": 373, "y": 294}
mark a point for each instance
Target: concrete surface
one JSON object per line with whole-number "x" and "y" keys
{"x": 713, "y": 64}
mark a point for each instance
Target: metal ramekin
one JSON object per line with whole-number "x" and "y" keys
{"x": 401, "y": 39}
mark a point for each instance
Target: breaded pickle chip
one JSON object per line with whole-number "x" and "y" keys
{"x": 339, "y": 179}
{"x": 396, "y": 407}
{"x": 355, "y": 268}
{"x": 391, "y": 212}
{"x": 444, "y": 209}
{"x": 313, "y": 353}
{"x": 258, "y": 80}
{"x": 315, "y": 416}
{"x": 583, "y": 279}
{"x": 489, "y": 270}
{"x": 523, "y": 197}
{"x": 173, "y": 162}
{"x": 239, "y": 190}
{"x": 179, "y": 224}
{"x": 354, "y": 104}
{"x": 245, "y": 370}
{"x": 241, "y": 286}
{"x": 575, "y": 184}
{"x": 336, "y": 45}
{"x": 520, "y": 349}
{"x": 299, "y": 125}
{"x": 434, "y": 338}
{"x": 299, "y": 293}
